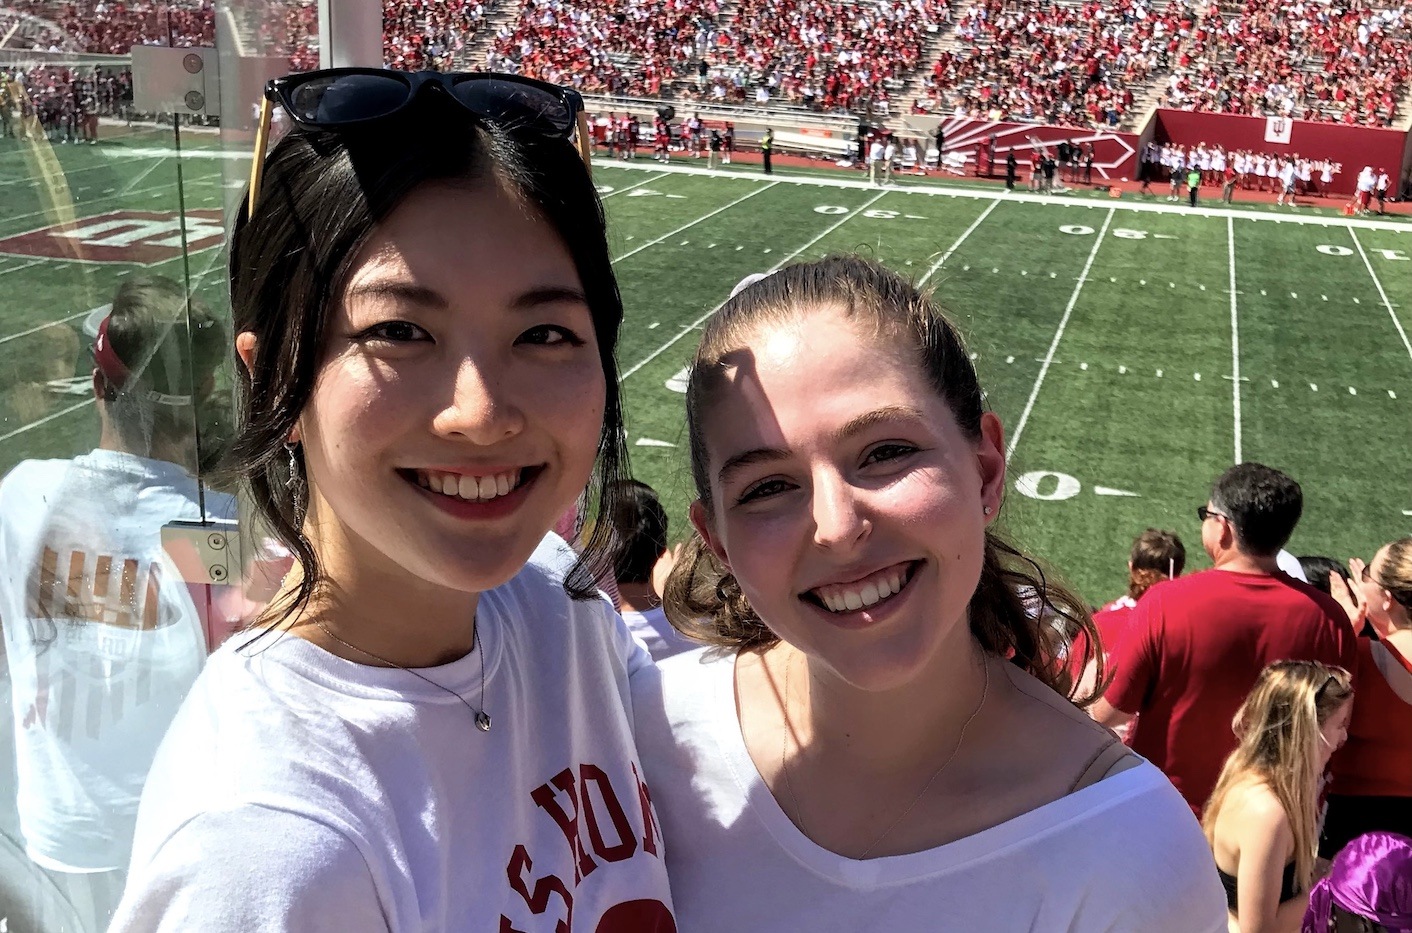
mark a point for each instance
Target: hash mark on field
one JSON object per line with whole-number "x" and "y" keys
{"x": 1171, "y": 284}
{"x": 1324, "y": 297}
{"x": 1294, "y": 294}
{"x": 1197, "y": 376}
{"x": 1391, "y": 394}
{"x": 654, "y": 325}
{"x": 1352, "y": 391}
{"x": 1202, "y": 287}
{"x": 1274, "y": 383}
{"x": 1356, "y": 301}
{"x": 1052, "y": 274}
{"x": 1142, "y": 281}
{"x": 1009, "y": 359}
{"x": 1313, "y": 387}
{"x": 1083, "y": 366}
{"x": 768, "y": 250}
{"x": 1262, "y": 291}
{"x": 1159, "y": 374}
{"x": 1122, "y": 370}
{"x": 1058, "y": 335}
{"x": 739, "y": 248}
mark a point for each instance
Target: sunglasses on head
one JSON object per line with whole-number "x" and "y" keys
{"x": 345, "y": 98}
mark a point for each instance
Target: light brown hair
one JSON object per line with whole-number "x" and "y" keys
{"x": 1278, "y": 725}
{"x": 1395, "y": 573}
{"x": 704, "y": 600}
{"x": 1156, "y": 556}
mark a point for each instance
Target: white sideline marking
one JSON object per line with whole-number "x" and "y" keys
{"x": 1058, "y": 335}
{"x": 988, "y": 194}
{"x": 700, "y": 320}
{"x": 959, "y": 240}
{"x": 650, "y": 442}
{"x": 46, "y": 419}
{"x": 1382, "y": 294}
{"x": 1235, "y": 341}
{"x": 746, "y": 197}
{"x": 1108, "y": 491}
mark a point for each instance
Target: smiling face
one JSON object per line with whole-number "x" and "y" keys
{"x": 845, "y": 498}
{"x": 460, "y": 397}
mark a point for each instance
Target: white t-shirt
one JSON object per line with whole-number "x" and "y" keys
{"x": 654, "y": 631}
{"x": 1123, "y": 855}
{"x": 102, "y": 642}
{"x": 297, "y": 791}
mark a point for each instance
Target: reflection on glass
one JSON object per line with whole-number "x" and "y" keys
{"x": 102, "y": 638}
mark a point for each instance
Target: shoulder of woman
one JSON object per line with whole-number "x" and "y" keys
{"x": 252, "y": 867}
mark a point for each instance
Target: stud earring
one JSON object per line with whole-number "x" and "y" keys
{"x": 987, "y": 510}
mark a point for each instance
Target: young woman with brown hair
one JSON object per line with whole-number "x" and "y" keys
{"x": 882, "y": 737}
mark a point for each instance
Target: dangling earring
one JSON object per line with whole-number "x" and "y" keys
{"x": 290, "y": 447}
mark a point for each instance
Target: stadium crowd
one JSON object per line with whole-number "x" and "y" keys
{"x": 112, "y": 28}
{"x": 420, "y": 35}
{"x": 1073, "y": 65}
{"x": 618, "y": 46}
{"x": 828, "y": 55}
{"x": 1347, "y": 63}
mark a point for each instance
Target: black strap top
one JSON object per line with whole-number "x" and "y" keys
{"x": 1287, "y": 888}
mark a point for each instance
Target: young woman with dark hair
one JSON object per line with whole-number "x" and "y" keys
{"x": 882, "y": 737}
{"x": 429, "y": 727}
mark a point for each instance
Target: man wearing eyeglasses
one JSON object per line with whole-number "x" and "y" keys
{"x": 1198, "y": 643}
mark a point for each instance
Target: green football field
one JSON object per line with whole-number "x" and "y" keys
{"x": 1133, "y": 349}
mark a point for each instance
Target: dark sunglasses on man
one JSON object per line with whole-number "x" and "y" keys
{"x": 338, "y": 98}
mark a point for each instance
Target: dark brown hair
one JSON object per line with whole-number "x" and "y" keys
{"x": 324, "y": 192}
{"x": 704, "y": 600}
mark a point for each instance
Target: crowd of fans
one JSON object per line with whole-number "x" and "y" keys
{"x": 1345, "y": 62}
{"x": 112, "y": 28}
{"x": 1071, "y": 65}
{"x": 830, "y": 55}
{"x": 419, "y": 35}
{"x": 618, "y": 46}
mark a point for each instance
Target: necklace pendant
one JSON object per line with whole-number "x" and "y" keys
{"x": 483, "y": 721}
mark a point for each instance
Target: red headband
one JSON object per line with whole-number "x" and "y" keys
{"x": 112, "y": 368}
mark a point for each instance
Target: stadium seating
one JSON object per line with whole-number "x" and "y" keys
{"x": 1307, "y": 60}
{"x": 113, "y": 28}
{"x": 1055, "y": 63}
{"x": 619, "y": 46}
{"x": 828, "y": 54}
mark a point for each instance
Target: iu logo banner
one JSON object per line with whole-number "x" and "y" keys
{"x": 1278, "y": 129}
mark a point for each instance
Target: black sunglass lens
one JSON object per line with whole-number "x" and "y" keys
{"x": 335, "y": 99}
{"x": 515, "y": 105}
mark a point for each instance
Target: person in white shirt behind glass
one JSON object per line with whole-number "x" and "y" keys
{"x": 102, "y": 641}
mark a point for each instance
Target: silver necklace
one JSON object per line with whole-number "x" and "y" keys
{"x": 482, "y": 717}
{"x": 789, "y": 786}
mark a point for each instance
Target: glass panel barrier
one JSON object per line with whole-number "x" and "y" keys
{"x": 117, "y": 576}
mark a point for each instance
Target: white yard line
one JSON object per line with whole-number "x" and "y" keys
{"x": 23, "y": 265}
{"x": 1382, "y": 294}
{"x": 1235, "y": 340}
{"x": 631, "y": 187}
{"x": 46, "y": 419}
{"x": 46, "y": 326}
{"x": 959, "y": 240}
{"x": 987, "y": 194}
{"x": 1058, "y": 335}
{"x": 143, "y": 177}
{"x": 686, "y": 226}
{"x": 698, "y": 322}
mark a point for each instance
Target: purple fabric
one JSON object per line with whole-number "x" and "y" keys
{"x": 1371, "y": 878}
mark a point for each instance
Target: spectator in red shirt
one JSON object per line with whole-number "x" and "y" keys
{"x": 1155, "y": 556}
{"x": 1372, "y": 774}
{"x": 1198, "y": 643}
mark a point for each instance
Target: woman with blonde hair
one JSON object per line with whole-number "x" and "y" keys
{"x": 1262, "y": 818}
{"x": 881, "y": 737}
